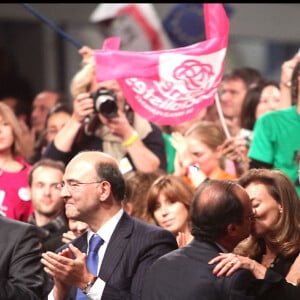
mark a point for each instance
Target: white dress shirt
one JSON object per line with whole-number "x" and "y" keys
{"x": 105, "y": 232}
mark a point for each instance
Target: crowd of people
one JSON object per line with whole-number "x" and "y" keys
{"x": 179, "y": 212}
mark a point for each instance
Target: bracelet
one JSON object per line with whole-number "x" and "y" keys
{"x": 131, "y": 140}
{"x": 293, "y": 283}
{"x": 89, "y": 285}
{"x": 287, "y": 83}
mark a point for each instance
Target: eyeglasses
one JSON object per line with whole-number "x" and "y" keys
{"x": 74, "y": 185}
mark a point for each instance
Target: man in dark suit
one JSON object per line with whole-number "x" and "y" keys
{"x": 21, "y": 272}
{"x": 221, "y": 215}
{"x": 93, "y": 189}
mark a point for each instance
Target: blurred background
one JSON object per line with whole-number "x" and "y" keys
{"x": 262, "y": 36}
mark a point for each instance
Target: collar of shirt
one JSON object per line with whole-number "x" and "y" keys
{"x": 222, "y": 248}
{"x": 106, "y": 232}
{"x": 108, "y": 228}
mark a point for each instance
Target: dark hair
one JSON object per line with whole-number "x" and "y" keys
{"x": 58, "y": 107}
{"x": 137, "y": 186}
{"x": 173, "y": 188}
{"x": 250, "y": 103}
{"x": 41, "y": 140}
{"x": 249, "y": 106}
{"x": 111, "y": 173}
{"x": 45, "y": 162}
{"x": 216, "y": 204}
{"x": 250, "y": 76}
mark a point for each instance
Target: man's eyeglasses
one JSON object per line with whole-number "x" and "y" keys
{"x": 74, "y": 185}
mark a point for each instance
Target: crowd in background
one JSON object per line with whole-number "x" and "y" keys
{"x": 165, "y": 169}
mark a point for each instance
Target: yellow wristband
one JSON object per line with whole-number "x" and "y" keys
{"x": 131, "y": 140}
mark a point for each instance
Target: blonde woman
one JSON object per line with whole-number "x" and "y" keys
{"x": 15, "y": 200}
{"x": 136, "y": 143}
{"x": 199, "y": 153}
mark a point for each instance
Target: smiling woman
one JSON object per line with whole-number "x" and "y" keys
{"x": 15, "y": 197}
{"x": 168, "y": 202}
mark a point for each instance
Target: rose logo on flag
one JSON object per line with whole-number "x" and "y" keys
{"x": 170, "y": 86}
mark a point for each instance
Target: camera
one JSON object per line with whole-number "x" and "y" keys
{"x": 105, "y": 102}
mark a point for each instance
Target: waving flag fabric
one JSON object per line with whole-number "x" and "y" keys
{"x": 171, "y": 86}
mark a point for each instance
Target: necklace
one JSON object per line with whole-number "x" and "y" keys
{"x": 267, "y": 260}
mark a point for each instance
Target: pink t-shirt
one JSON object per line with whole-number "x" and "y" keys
{"x": 15, "y": 201}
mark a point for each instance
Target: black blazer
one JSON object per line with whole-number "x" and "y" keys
{"x": 133, "y": 247}
{"x": 274, "y": 286}
{"x": 21, "y": 272}
{"x": 184, "y": 274}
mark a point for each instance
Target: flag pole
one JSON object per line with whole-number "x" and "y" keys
{"x": 52, "y": 25}
{"x": 221, "y": 116}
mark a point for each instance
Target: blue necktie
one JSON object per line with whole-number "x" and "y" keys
{"x": 92, "y": 260}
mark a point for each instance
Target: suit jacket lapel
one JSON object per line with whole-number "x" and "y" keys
{"x": 81, "y": 242}
{"x": 116, "y": 246}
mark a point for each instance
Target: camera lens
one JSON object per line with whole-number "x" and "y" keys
{"x": 108, "y": 108}
{"x": 105, "y": 103}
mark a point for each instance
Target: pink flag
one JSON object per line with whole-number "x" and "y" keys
{"x": 169, "y": 87}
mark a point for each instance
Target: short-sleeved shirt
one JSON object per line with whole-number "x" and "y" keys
{"x": 276, "y": 141}
{"x": 15, "y": 200}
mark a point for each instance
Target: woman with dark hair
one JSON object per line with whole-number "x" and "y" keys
{"x": 56, "y": 118}
{"x": 262, "y": 98}
{"x": 169, "y": 199}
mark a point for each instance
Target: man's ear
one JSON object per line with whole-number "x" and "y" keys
{"x": 104, "y": 189}
{"x": 232, "y": 229}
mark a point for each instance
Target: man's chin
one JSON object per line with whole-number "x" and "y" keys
{"x": 71, "y": 212}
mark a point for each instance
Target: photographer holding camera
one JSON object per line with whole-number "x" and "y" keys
{"x": 103, "y": 120}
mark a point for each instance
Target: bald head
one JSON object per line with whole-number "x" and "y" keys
{"x": 216, "y": 204}
{"x": 97, "y": 166}
{"x": 93, "y": 158}
{"x": 214, "y": 192}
